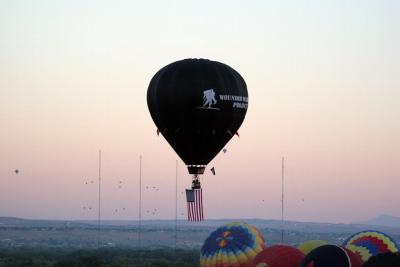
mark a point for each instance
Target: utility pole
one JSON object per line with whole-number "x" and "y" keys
{"x": 283, "y": 200}
{"x": 99, "y": 207}
{"x": 176, "y": 203}
{"x": 140, "y": 203}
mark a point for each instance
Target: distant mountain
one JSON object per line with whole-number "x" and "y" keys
{"x": 383, "y": 220}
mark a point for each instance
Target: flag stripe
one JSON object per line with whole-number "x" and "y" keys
{"x": 199, "y": 206}
{"x": 201, "y": 210}
{"x": 191, "y": 212}
{"x": 188, "y": 212}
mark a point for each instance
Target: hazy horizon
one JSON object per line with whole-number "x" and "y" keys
{"x": 323, "y": 81}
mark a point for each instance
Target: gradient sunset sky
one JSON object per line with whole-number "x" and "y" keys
{"x": 324, "y": 89}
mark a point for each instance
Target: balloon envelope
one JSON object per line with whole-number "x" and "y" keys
{"x": 355, "y": 259}
{"x": 370, "y": 243}
{"x": 232, "y": 245}
{"x": 388, "y": 259}
{"x": 279, "y": 256}
{"x": 309, "y": 245}
{"x": 198, "y": 105}
{"x": 331, "y": 256}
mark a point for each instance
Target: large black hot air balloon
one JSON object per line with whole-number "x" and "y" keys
{"x": 198, "y": 105}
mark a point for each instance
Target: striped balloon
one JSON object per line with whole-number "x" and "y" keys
{"x": 370, "y": 243}
{"x": 232, "y": 245}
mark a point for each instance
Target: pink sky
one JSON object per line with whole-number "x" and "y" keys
{"x": 323, "y": 86}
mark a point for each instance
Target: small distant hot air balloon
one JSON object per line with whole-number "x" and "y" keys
{"x": 16, "y": 171}
{"x": 197, "y": 105}
{"x": 279, "y": 256}
{"x": 370, "y": 243}
{"x": 309, "y": 245}
{"x": 331, "y": 256}
{"x": 231, "y": 245}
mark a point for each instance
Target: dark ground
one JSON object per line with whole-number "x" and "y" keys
{"x": 105, "y": 257}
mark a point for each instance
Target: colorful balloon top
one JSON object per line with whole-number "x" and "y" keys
{"x": 279, "y": 256}
{"x": 370, "y": 243}
{"x": 232, "y": 245}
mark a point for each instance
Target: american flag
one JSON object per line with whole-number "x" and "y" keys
{"x": 195, "y": 205}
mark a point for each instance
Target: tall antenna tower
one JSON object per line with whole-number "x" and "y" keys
{"x": 176, "y": 203}
{"x": 283, "y": 200}
{"x": 99, "y": 207}
{"x": 140, "y": 203}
